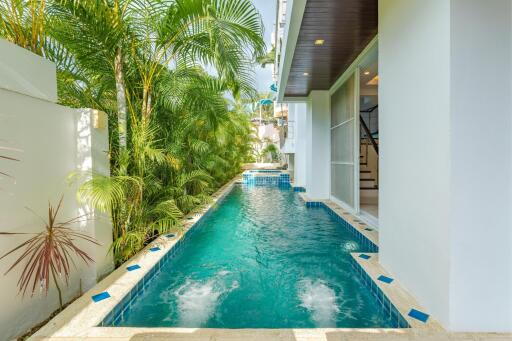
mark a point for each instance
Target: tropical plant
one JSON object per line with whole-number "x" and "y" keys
{"x": 268, "y": 58}
{"x": 272, "y": 150}
{"x": 48, "y": 254}
{"x": 162, "y": 70}
{"x": 23, "y": 23}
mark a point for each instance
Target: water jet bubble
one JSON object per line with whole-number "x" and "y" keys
{"x": 320, "y": 300}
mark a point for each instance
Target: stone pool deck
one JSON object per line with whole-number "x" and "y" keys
{"x": 318, "y": 334}
{"x": 80, "y": 320}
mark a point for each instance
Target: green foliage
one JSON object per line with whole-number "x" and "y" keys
{"x": 183, "y": 138}
{"x": 273, "y": 150}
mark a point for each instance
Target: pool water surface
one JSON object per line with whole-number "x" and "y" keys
{"x": 261, "y": 259}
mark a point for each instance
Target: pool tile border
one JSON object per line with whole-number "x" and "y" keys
{"x": 266, "y": 177}
{"x": 387, "y": 306}
{"x": 355, "y": 226}
{"x": 394, "y": 298}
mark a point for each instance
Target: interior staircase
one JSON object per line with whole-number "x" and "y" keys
{"x": 369, "y": 160}
{"x": 368, "y": 173}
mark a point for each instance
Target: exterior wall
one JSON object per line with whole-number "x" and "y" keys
{"x": 318, "y": 145}
{"x": 54, "y": 141}
{"x": 481, "y": 172}
{"x": 37, "y": 78}
{"x": 440, "y": 181}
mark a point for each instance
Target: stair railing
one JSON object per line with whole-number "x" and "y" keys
{"x": 370, "y": 139}
{"x": 369, "y": 135}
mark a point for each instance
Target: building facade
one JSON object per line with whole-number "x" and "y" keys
{"x": 402, "y": 114}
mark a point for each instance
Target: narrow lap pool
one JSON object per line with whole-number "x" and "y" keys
{"x": 260, "y": 259}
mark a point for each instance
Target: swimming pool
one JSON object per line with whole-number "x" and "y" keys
{"x": 259, "y": 259}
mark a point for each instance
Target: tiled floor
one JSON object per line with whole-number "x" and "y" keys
{"x": 371, "y": 209}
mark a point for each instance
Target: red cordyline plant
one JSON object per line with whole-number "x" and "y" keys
{"x": 49, "y": 253}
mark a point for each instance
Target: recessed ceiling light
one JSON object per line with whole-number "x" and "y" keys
{"x": 306, "y": 74}
{"x": 367, "y": 73}
{"x": 319, "y": 42}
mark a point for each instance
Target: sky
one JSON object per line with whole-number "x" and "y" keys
{"x": 267, "y": 9}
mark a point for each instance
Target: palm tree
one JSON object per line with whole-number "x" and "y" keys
{"x": 23, "y": 23}
{"x": 174, "y": 138}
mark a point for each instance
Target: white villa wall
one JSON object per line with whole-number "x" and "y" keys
{"x": 445, "y": 185}
{"x": 54, "y": 141}
{"x": 414, "y": 175}
{"x": 481, "y": 172}
{"x": 37, "y": 78}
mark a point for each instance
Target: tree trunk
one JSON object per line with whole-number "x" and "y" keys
{"x": 57, "y": 286}
{"x": 121, "y": 99}
{"x": 146, "y": 102}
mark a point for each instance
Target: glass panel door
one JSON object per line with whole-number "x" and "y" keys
{"x": 343, "y": 128}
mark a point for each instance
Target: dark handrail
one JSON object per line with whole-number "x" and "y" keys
{"x": 371, "y": 109}
{"x": 369, "y": 135}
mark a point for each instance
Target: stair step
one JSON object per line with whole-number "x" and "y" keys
{"x": 364, "y": 171}
{"x": 369, "y": 188}
{"x": 369, "y": 179}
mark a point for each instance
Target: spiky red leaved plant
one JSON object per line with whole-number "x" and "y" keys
{"x": 49, "y": 253}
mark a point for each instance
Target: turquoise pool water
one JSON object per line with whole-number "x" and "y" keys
{"x": 260, "y": 259}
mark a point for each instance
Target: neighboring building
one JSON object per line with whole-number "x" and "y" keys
{"x": 278, "y": 35}
{"x": 402, "y": 114}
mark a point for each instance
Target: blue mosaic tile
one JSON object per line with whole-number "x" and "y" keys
{"x": 398, "y": 321}
{"x": 133, "y": 267}
{"x": 363, "y": 256}
{"x": 385, "y": 279}
{"x": 170, "y": 235}
{"x": 101, "y": 296}
{"x": 368, "y": 229}
{"x": 154, "y": 249}
{"x": 418, "y": 315}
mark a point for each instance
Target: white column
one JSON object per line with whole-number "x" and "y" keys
{"x": 300, "y": 144}
{"x": 318, "y": 145}
{"x": 446, "y": 157}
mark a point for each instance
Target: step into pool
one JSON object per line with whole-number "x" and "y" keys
{"x": 260, "y": 259}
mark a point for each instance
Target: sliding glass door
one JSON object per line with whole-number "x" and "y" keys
{"x": 343, "y": 149}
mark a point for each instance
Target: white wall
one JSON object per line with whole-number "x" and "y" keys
{"x": 445, "y": 185}
{"x": 318, "y": 145}
{"x": 481, "y": 172}
{"x": 36, "y": 77}
{"x": 300, "y": 144}
{"x": 54, "y": 141}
